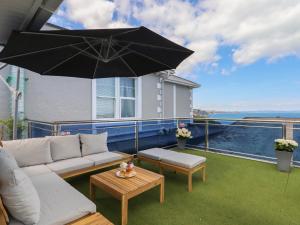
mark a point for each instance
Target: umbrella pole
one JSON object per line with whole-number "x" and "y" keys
{"x": 16, "y": 106}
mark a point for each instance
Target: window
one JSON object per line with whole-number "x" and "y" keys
{"x": 106, "y": 98}
{"x": 127, "y": 97}
{"x": 116, "y": 98}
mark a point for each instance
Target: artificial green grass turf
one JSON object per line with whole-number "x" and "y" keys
{"x": 237, "y": 192}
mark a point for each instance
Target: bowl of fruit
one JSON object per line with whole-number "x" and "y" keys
{"x": 126, "y": 170}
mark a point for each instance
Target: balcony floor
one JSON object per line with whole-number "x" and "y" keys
{"x": 237, "y": 192}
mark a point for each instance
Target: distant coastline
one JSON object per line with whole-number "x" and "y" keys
{"x": 256, "y": 114}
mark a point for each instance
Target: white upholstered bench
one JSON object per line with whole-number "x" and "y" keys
{"x": 180, "y": 162}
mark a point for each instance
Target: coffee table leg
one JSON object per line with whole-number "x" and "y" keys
{"x": 92, "y": 192}
{"x": 162, "y": 190}
{"x": 124, "y": 210}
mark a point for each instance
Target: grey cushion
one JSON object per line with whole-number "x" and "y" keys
{"x": 7, "y": 165}
{"x": 20, "y": 198}
{"x": 65, "y": 147}
{"x": 29, "y": 152}
{"x": 60, "y": 202}
{"x": 156, "y": 153}
{"x": 93, "y": 143}
{"x": 104, "y": 157}
{"x": 68, "y": 165}
{"x": 36, "y": 170}
{"x": 183, "y": 159}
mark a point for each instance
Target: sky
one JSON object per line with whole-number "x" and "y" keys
{"x": 247, "y": 53}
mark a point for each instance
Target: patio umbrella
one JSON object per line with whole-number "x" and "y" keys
{"x": 126, "y": 52}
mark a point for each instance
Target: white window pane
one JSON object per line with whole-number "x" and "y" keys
{"x": 105, "y": 87}
{"x": 127, "y": 108}
{"x": 127, "y": 87}
{"x": 105, "y": 107}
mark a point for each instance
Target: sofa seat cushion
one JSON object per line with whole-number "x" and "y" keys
{"x": 69, "y": 165}
{"x": 156, "y": 153}
{"x": 60, "y": 202}
{"x": 93, "y": 143}
{"x": 36, "y": 170}
{"x": 65, "y": 147}
{"x": 29, "y": 152}
{"x": 104, "y": 157}
{"x": 183, "y": 160}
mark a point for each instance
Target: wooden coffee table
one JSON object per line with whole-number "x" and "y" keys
{"x": 125, "y": 189}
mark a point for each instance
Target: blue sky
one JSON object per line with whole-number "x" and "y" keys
{"x": 246, "y": 52}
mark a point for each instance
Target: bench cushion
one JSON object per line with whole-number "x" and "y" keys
{"x": 65, "y": 147}
{"x": 156, "y": 153}
{"x": 29, "y": 152}
{"x": 93, "y": 143}
{"x": 69, "y": 165}
{"x": 36, "y": 170}
{"x": 104, "y": 157}
{"x": 60, "y": 202}
{"x": 21, "y": 198}
{"x": 183, "y": 160}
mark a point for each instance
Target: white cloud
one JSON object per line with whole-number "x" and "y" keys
{"x": 258, "y": 29}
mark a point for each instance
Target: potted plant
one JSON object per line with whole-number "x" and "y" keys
{"x": 284, "y": 151}
{"x": 182, "y": 135}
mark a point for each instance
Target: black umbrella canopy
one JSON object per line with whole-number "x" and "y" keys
{"x": 126, "y": 52}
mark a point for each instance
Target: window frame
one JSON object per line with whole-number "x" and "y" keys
{"x": 118, "y": 99}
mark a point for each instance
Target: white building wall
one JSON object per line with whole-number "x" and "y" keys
{"x": 183, "y": 101}
{"x": 58, "y": 98}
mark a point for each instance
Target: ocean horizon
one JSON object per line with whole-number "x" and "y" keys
{"x": 263, "y": 114}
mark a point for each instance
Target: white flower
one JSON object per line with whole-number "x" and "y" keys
{"x": 123, "y": 165}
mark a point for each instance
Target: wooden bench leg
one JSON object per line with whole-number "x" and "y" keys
{"x": 92, "y": 192}
{"x": 162, "y": 190}
{"x": 161, "y": 171}
{"x": 190, "y": 182}
{"x": 203, "y": 173}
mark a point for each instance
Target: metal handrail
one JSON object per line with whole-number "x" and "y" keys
{"x": 277, "y": 123}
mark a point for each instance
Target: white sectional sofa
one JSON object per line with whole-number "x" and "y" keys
{"x": 46, "y": 161}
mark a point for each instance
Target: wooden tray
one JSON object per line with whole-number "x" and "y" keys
{"x": 126, "y": 175}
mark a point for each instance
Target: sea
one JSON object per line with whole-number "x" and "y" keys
{"x": 243, "y": 114}
{"x": 254, "y": 140}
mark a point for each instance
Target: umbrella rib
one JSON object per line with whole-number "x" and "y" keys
{"x": 126, "y": 64}
{"x": 127, "y": 31}
{"x": 62, "y": 62}
{"x": 42, "y": 50}
{"x": 118, "y": 52}
{"x": 154, "y": 46}
{"x": 86, "y": 53}
{"x": 57, "y": 35}
{"x": 150, "y": 58}
{"x": 99, "y": 56}
{"x": 91, "y": 45}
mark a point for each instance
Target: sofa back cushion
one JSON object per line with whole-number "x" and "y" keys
{"x": 29, "y": 152}
{"x": 65, "y": 147}
{"x": 20, "y": 198}
{"x": 93, "y": 143}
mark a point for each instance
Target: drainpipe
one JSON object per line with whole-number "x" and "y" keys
{"x": 16, "y": 106}
{"x": 15, "y": 92}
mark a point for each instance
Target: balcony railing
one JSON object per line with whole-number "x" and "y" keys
{"x": 252, "y": 137}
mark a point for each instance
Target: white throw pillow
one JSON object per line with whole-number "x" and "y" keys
{"x": 29, "y": 152}
{"x": 93, "y": 143}
{"x": 20, "y": 198}
{"x": 65, "y": 147}
{"x": 7, "y": 165}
